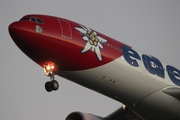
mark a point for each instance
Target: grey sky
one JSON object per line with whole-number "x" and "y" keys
{"x": 149, "y": 26}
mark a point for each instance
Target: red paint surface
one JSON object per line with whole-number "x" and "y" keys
{"x": 60, "y": 43}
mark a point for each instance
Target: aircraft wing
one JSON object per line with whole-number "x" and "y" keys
{"x": 123, "y": 113}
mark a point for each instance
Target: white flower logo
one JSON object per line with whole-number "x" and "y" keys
{"x": 93, "y": 41}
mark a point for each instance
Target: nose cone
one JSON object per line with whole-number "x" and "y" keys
{"x": 12, "y": 28}
{"x": 15, "y": 26}
{"x": 25, "y": 39}
{"x": 19, "y": 32}
{"x": 15, "y": 31}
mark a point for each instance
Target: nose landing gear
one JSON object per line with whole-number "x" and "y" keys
{"x": 51, "y": 85}
{"x": 49, "y": 70}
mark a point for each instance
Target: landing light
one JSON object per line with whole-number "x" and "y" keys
{"x": 124, "y": 107}
{"x": 50, "y": 68}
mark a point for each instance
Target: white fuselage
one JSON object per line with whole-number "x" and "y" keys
{"x": 135, "y": 87}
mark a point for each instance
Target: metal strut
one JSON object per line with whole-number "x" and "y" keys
{"x": 51, "y": 77}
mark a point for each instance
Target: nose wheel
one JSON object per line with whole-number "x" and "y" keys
{"x": 49, "y": 70}
{"x": 51, "y": 85}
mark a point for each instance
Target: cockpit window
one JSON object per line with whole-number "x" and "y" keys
{"x": 33, "y": 19}
{"x": 39, "y": 21}
{"x": 23, "y": 19}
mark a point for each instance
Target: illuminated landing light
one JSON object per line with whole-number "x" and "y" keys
{"x": 50, "y": 68}
{"x": 124, "y": 107}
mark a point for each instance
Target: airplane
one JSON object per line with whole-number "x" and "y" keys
{"x": 148, "y": 88}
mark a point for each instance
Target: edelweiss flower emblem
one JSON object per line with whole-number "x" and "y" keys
{"x": 94, "y": 41}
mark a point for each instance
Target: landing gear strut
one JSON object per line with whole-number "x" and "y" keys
{"x": 49, "y": 70}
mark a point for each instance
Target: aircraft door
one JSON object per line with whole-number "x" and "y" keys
{"x": 66, "y": 28}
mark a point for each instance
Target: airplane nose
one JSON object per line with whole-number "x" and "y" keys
{"x": 13, "y": 27}
{"x": 18, "y": 33}
{"x": 13, "y": 30}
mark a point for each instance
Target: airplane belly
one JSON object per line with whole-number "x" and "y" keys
{"x": 117, "y": 80}
{"x": 139, "y": 91}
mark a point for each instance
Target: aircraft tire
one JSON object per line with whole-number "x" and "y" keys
{"x": 54, "y": 85}
{"x": 48, "y": 86}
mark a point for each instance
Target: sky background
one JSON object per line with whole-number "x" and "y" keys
{"x": 149, "y": 26}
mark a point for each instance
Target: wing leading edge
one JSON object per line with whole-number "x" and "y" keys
{"x": 173, "y": 91}
{"x": 123, "y": 113}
